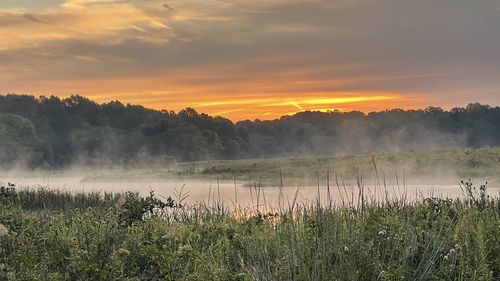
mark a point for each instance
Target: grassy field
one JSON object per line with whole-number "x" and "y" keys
{"x": 421, "y": 165}
{"x": 48, "y": 235}
{"x": 414, "y": 167}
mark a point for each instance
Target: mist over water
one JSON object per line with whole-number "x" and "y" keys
{"x": 243, "y": 193}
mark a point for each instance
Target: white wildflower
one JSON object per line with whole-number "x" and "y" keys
{"x": 3, "y": 230}
{"x": 452, "y": 252}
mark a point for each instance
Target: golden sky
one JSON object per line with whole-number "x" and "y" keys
{"x": 254, "y": 59}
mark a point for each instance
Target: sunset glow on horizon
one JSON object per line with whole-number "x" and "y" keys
{"x": 253, "y": 59}
{"x": 275, "y": 106}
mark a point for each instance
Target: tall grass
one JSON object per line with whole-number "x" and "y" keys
{"x": 45, "y": 199}
{"x": 51, "y": 235}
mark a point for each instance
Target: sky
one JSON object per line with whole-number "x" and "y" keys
{"x": 254, "y": 59}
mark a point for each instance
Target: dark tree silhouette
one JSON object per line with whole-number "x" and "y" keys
{"x": 56, "y": 132}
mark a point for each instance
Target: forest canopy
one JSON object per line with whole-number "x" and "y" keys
{"x": 54, "y": 132}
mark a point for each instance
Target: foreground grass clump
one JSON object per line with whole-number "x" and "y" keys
{"x": 126, "y": 237}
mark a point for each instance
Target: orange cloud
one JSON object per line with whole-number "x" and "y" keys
{"x": 101, "y": 21}
{"x": 228, "y": 90}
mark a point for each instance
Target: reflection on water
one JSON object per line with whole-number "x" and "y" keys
{"x": 247, "y": 194}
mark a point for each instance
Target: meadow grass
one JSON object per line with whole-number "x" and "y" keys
{"x": 419, "y": 167}
{"x": 51, "y": 235}
{"x": 437, "y": 165}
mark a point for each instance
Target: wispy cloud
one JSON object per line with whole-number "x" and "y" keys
{"x": 86, "y": 3}
{"x": 96, "y": 21}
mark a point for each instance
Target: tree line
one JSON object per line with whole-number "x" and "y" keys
{"x": 54, "y": 132}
